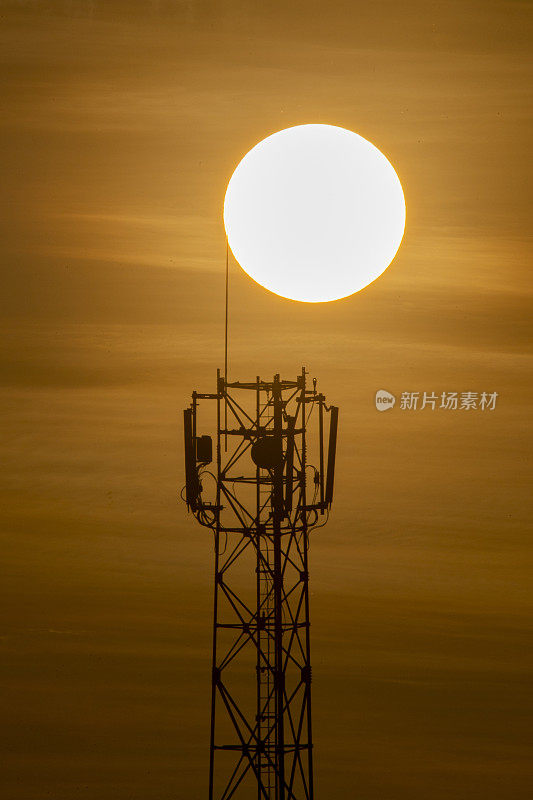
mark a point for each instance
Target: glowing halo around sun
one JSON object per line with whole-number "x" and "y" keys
{"x": 314, "y": 213}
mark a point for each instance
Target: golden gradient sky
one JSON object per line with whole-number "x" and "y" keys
{"x": 122, "y": 124}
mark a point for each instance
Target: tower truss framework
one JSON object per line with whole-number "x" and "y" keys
{"x": 270, "y": 484}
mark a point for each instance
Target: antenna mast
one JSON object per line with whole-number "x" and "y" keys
{"x": 261, "y": 501}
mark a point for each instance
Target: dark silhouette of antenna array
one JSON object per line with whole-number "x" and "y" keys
{"x": 271, "y": 483}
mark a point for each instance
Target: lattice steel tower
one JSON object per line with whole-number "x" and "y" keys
{"x": 269, "y": 488}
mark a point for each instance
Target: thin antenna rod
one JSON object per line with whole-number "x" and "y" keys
{"x": 226, "y": 350}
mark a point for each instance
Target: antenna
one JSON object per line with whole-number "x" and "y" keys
{"x": 332, "y": 449}
{"x": 226, "y": 343}
{"x": 192, "y": 487}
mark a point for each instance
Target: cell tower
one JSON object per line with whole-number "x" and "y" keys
{"x": 269, "y": 488}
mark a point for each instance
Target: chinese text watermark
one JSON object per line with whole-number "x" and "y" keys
{"x": 448, "y": 401}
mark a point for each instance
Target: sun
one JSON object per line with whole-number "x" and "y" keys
{"x": 314, "y": 213}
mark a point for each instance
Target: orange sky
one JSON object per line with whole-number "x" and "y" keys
{"x": 122, "y": 124}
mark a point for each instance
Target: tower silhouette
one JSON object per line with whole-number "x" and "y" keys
{"x": 271, "y": 484}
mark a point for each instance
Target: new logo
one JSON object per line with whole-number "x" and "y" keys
{"x": 384, "y": 400}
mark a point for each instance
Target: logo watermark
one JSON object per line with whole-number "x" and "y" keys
{"x": 384, "y": 400}
{"x": 447, "y": 401}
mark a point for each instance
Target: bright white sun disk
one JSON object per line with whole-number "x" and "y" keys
{"x": 314, "y": 213}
